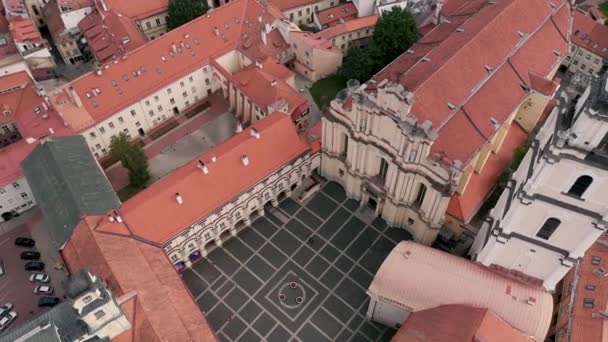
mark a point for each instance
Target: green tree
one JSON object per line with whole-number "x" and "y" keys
{"x": 305, "y": 27}
{"x": 132, "y": 158}
{"x": 183, "y": 11}
{"x": 394, "y": 33}
{"x": 359, "y": 63}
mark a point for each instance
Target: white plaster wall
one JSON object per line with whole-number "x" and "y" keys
{"x": 16, "y": 196}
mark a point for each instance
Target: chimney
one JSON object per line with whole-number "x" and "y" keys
{"x": 255, "y": 133}
{"x": 98, "y": 71}
{"x": 245, "y": 160}
{"x": 174, "y": 47}
{"x": 74, "y": 96}
{"x": 103, "y": 5}
{"x": 213, "y": 159}
{"x": 437, "y": 12}
{"x": 111, "y": 218}
{"x": 258, "y": 64}
{"x": 260, "y": 18}
{"x": 203, "y": 167}
{"x": 179, "y": 198}
{"x": 118, "y": 219}
{"x": 273, "y": 83}
{"x": 51, "y": 130}
{"x": 264, "y": 37}
{"x": 216, "y": 31}
{"x": 239, "y": 127}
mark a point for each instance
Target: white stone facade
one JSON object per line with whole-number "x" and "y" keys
{"x": 582, "y": 60}
{"x": 15, "y": 197}
{"x": 555, "y": 206}
{"x": 212, "y": 230}
{"x": 375, "y": 153}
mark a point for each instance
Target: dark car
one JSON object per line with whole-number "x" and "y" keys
{"x": 24, "y": 242}
{"x": 30, "y": 255}
{"x": 48, "y": 301}
{"x": 34, "y": 266}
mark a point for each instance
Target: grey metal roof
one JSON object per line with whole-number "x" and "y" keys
{"x": 68, "y": 183}
{"x": 60, "y": 318}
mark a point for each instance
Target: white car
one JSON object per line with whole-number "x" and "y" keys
{"x": 6, "y": 308}
{"x": 43, "y": 290}
{"x": 41, "y": 278}
{"x": 7, "y": 319}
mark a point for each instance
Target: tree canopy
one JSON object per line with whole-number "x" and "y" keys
{"x": 183, "y": 11}
{"x": 395, "y": 32}
{"x": 132, "y": 158}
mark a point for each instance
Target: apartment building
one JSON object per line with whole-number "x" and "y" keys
{"x": 356, "y": 32}
{"x": 302, "y": 12}
{"x": 159, "y": 81}
{"x": 429, "y": 135}
{"x": 35, "y": 11}
{"x": 554, "y": 208}
{"x": 32, "y": 47}
{"x": 335, "y": 15}
{"x": 149, "y": 16}
{"x": 589, "y": 49}
{"x": 62, "y": 18}
{"x": 316, "y": 57}
{"x": 26, "y": 118}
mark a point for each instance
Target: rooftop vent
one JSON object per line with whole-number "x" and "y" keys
{"x": 98, "y": 71}
{"x": 557, "y": 53}
{"x": 410, "y": 51}
{"x": 331, "y": 16}
{"x": 495, "y": 122}
{"x": 179, "y": 198}
{"x": 255, "y": 133}
{"x": 531, "y": 301}
{"x": 196, "y": 41}
{"x": 245, "y": 159}
{"x": 488, "y": 68}
{"x": 426, "y": 59}
{"x": 460, "y": 29}
{"x": 213, "y": 159}
{"x": 521, "y": 34}
{"x": 239, "y": 127}
{"x": 451, "y": 106}
{"x": 186, "y": 36}
{"x": 273, "y": 83}
{"x": 203, "y": 166}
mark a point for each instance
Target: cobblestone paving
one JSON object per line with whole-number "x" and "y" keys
{"x": 271, "y": 283}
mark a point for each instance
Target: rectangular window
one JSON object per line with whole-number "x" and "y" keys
{"x": 24, "y": 195}
{"x": 207, "y": 81}
{"x": 137, "y": 124}
{"x": 16, "y": 185}
{"x": 383, "y": 169}
{"x": 102, "y": 130}
{"x": 191, "y": 79}
{"x": 588, "y": 303}
{"x": 590, "y": 287}
{"x": 181, "y": 83}
{"x": 120, "y": 119}
{"x": 185, "y": 94}
{"x": 156, "y": 98}
{"x": 168, "y": 90}
{"x": 160, "y": 108}
{"x": 103, "y": 150}
{"x": 111, "y": 124}
{"x": 193, "y": 89}
{"x": 92, "y": 134}
{"x": 147, "y": 103}
{"x": 2, "y": 191}
{"x": 595, "y": 260}
{"x": 97, "y": 146}
{"x": 151, "y": 112}
{"x": 172, "y": 100}
{"x": 148, "y": 25}
{"x": 133, "y": 112}
{"x": 157, "y": 22}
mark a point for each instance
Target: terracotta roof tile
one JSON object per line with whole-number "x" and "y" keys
{"x": 449, "y": 66}
{"x": 24, "y": 30}
{"x": 349, "y": 26}
{"x": 136, "y": 9}
{"x": 164, "y": 310}
{"x": 589, "y": 34}
{"x": 337, "y": 13}
{"x": 457, "y": 323}
{"x": 146, "y": 213}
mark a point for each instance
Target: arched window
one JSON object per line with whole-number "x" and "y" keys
{"x": 420, "y": 195}
{"x": 548, "y": 228}
{"x": 383, "y": 169}
{"x": 580, "y": 186}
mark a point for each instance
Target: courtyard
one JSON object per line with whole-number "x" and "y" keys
{"x": 300, "y": 273}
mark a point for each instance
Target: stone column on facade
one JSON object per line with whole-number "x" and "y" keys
{"x": 261, "y": 211}
{"x": 247, "y": 221}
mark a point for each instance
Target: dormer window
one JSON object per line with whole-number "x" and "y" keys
{"x": 99, "y": 314}
{"x": 580, "y": 186}
{"x": 87, "y": 299}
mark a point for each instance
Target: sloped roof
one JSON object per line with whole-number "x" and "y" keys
{"x": 526, "y": 308}
{"x": 146, "y": 215}
{"x": 24, "y": 30}
{"x": 589, "y": 34}
{"x": 198, "y": 44}
{"x": 348, "y": 26}
{"x": 163, "y": 310}
{"x": 457, "y": 323}
{"x": 67, "y": 183}
{"x": 136, "y": 9}
{"x": 476, "y": 64}
{"x": 333, "y": 14}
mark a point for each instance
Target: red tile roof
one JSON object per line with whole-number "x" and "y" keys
{"x": 22, "y": 101}
{"x": 457, "y": 323}
{"x": 24, "y": 30}
{"x": 255, "y": 48}
{"x": 234, "y": 21}
{"x": 585, "y": 325}
{"x": 163, "y": 308}
{"x": 257, "y": 84}
{"x": 334, "y": 14}
{"x": 480, "y": 67}
{"x": 284, "y": 5}
{"x": 349, "y": 26}
{"x": 146, "y": 213}
{"x": 589, "y": 34}
{"x": 464, "y": 206}
{"x": 111, "y": 36}
{"x": 135, "y": 9}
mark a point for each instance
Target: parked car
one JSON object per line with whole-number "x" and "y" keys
{"x": 48, "y": 301}
{"x": 43, "y": 290}
{"x": 34, "y": 266}
{"x": 7, "y": 319}
{"x": 24, "y": 242}
{"x": 5, "y": 309}
{"x": 30, "y": 255}
{"x": 1, "y": 267}
{"x": 40, "y": 278}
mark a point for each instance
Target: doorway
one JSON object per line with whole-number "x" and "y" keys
{"x": 372, "y": 203}
{"x": 175, "y": 111}
{"x": 141, "y": 132}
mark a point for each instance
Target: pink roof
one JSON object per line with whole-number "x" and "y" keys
{"x": 478, "y": 73}
{"x": 24, "y": 30}
{"x": 527, "y": 309}
{"x": 111, "y": 36}
{"x": 146, "y": 214}
{"x": 135, "y": 9}
{"x": 164, "y": 308}
{"x": 349, "y": 26}
{"x": 198, "y": 45}
{"x": 333, "y": 14}
{"x": 589, "y": 34}
{"x": 457, "y": 323}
